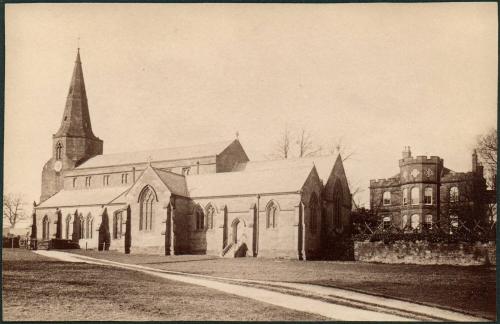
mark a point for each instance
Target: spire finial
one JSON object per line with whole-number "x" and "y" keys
{"x": 237, "y": 135}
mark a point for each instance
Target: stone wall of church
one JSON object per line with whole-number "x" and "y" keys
{"x": 240, "y": 212}
{"x": 195, "y": 166}
{"x": 91, "y": 215}
{"x": 148, "y": 239}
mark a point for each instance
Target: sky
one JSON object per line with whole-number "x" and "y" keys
{"x": 377, "y": 77}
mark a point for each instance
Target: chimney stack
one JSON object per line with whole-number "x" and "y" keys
{"x": 406, "y": 152}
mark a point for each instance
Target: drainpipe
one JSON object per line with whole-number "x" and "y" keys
{"x": 257, "y": 225}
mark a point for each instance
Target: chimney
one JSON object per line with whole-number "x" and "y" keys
{"x": 474, "y": 161}
{"x": 406, "y": 152}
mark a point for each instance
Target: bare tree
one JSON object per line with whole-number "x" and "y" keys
{"x": 282, "y": 146}
{"x": 305, "y": 144}
{"x": 487, "y": 146}
{"x": 13, "y": 208}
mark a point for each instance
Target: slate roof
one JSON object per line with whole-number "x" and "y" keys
{"x": 76, "y": 117}
{"x": 165, "y": 154}
{"x": 324, "y": 165}
{"x": 85, "y": 197}
{"x": 176, "y": 183}
{"x": 248, "y": 182}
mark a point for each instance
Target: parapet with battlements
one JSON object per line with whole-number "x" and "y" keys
{"x": 421, "y": 159}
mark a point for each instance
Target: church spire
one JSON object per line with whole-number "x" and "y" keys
{"x": 76, "y": 118}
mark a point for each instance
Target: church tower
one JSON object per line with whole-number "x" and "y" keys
{"x": 74, "y": 142}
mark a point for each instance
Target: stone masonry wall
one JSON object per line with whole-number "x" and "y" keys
{"x": 426, "y": 253}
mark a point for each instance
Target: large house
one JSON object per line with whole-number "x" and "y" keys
{"x": 424, "y": 192}
{"x": 199, "y": 199}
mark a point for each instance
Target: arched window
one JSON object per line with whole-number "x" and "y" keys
{"x": 415, "y": 221}
{"x": 272, "y": 215}
{"x": 428, "y": 196}
{"x": 415, "y": 196}
{"x": 428, "y": 221}
{"x": 58, "y": 151}
{"x": 200, "y": 218}
{"x": 453, "y": 194}
{"x": 46, "y": 228}
{"x": 404, "y": 221}
{"x": 387, "y": 198}
{"x": 90, "y": 226}
{"x": 337, "y": 207}
{"x": 405, "y": 196}
{"x": 210, "y": 211}
{"x": 386, "y": 222}
{"x": 68, "y": 225}
{"x": 117, "y": 225}
{"x": 313, "y": 213}
{"x": 147, "y": 202}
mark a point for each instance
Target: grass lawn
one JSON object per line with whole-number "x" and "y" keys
{"x": 37, "y": 288}
{"x": 469, "y": 289}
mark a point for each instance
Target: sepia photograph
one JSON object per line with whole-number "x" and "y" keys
{"x": 250, "y": 162}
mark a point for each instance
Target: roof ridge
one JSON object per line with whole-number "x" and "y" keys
{"x": 166, "y": 148}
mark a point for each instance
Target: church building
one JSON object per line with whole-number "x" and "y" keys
{"x": 201, "y": 199}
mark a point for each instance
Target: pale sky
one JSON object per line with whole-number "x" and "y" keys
{"x": 379, "y": 76}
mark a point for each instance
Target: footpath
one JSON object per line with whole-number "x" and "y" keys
{"x": 333, "y": 303}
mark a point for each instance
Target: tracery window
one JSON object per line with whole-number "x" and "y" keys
{"x": 200, "y": 218}
{"x": 147, "y": 202}
{"x": 272, "y": 215}
{"x": 210, "y": 216}
{"x": 82, "y": 226}
{"x": 90, "y": 226}
{"x": 117, "y": 225}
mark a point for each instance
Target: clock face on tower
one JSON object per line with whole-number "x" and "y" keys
{"x": 414, "y": 173}
{"x": 58, "y": 166}
{"x": 428, "y": 173}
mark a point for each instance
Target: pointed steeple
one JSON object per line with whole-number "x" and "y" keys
{"x": 76, "y": 118}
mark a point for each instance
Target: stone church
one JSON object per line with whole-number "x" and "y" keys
{"x": 202, "y": 199}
